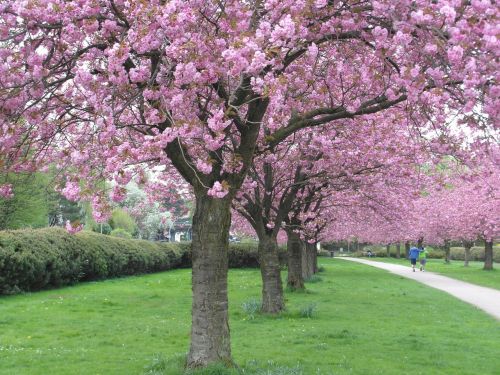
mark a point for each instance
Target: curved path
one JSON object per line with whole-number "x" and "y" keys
{"x": 487, "y": 299}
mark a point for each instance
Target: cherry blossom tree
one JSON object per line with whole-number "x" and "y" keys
{"x": 103, "y": 89}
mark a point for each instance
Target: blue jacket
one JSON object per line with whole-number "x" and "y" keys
{"x": 414, "y": 251}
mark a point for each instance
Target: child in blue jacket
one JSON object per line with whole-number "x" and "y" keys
{"x": 413, "y": 255}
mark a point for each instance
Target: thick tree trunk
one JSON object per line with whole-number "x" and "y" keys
{"x": 272, "y": 288}
{"x": 210, "y": 338}
{"x": 488, "y": 255}
{"x": 294, "y": 247}
{"x": 407, "y": 249}
{"x": 398, "y": 250}
{"x": 388, "y": 250}
{"x": 309, "y": 252}
{"x": 467, "y": 246}
{"x": 447, "y": 251}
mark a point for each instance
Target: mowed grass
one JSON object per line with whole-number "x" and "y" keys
{"x": 358, "y": 320}
{"x": 455, "y": 269}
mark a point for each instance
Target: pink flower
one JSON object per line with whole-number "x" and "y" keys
{"x": 218, "y": 190}
{"x": 71, "y": 229}
{"x": 6, "y": 191}
{"x": 71, "y": 191}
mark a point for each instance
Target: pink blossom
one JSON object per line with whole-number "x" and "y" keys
{"x": 6, "y": 191}
{"x": 71, "y": 191}
{"x": 217, "y": 190}
{"x": 73, "y": 229}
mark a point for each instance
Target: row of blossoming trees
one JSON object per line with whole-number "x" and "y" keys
{"x": 270, "y": 107}
{"x": 460, "y": 207}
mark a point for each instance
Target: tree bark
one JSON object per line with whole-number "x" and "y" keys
{"x": 388, "y": 250}
{"x": 305, "y": 260}
{"x": 407, "y": 248}
{"x": 273, "y": 301}
{"x": 315, "y": 258}
{"x": 309, "y": 269}
{"x": 210, "y": 337}
{"x": 488, "y": 255}
{"x": 447, "y": 251}
{"x": 398, "y": 250}
{"x": 467, "y": 246}
{"x": 294, "y": 246}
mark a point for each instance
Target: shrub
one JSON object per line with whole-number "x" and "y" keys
{"x": 121, "y": 219}
{"x": 313, "y": 279}
{"x": 476, "y": 253}
{"x": 308, "y": 311}
{"x": 35, "y": 259}
{"x": 251, "y": 307}
{"x": 122, "y": 233}
{"x": 31, "y": 260}
{"x": 241, "y": 255}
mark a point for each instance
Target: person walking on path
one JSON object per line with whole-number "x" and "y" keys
{"x": 422, "y": 257}
{"x": 413, "y": 255}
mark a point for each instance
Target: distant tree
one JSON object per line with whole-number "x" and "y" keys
{"x": 29, "y": 207}
{"x": 121, "y": 219}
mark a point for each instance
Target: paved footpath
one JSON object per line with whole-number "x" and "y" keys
{"x": 487, "y": 299}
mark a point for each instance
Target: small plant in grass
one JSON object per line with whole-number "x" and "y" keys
{"x": 270, "y": 368}
{"x": 314, "y": 279}
{"x": 176, "y": 366}
{"x": 308, "y": 311}
{"x": 251, "y": 308}
{"x": 159, "y": 365}
{"x": 321, "y": 269}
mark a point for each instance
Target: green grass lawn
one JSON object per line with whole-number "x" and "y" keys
{"x": 472, "y": 274}
{"x": 365, "y": 321}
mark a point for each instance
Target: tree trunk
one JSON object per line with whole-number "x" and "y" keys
{"x": 210, "y": 338}
{"x": 467, "y": 246}
{"x": 398, "y": 250}
{"x": 272, "y": 288}
{"x": 294, "y": 247}
{"x": 315, "y": 258}
{"x": 310, "y": 269}
{"x": 305, "y": 261}
{"x": 420, "y": 242}
{"x": 447, "y": 251}
{"x": 488, "y": 255}
{"x": 407, "y": 249}
{"x": 388, "y": 250}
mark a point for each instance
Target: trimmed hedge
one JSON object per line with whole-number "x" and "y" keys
{"x": 31, "y": 260}
{"x": 36, "y": 259}
{"x": 476, "y": 253}
{"x": 240, "y": 255}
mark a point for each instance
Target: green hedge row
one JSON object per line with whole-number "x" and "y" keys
{"x": 36, "y": 259}
{"x": 31, "y": 260}
{"x": 240, "y": 255}
{"x": 476, "y": 253}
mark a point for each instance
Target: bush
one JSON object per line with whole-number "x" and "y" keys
{"x": 308, "y": 311}
{"x": 476, "y": 253}
{"x": 35, "y": 259}
{"x": 31, "y": 260}
{"x": 122, "y": 233}
{"x": 251, "y": 308}
{"x": 313, "y": 279}
{"x": 241, "y": 255}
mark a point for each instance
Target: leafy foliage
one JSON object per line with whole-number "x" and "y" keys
{"x": 35, "y": 259}
{"x": 31, "y": 260}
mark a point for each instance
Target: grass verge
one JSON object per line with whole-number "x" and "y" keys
{"x": 365, "y": 321}
{"x": 473, "y": 274}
